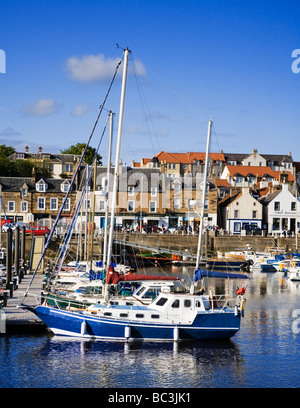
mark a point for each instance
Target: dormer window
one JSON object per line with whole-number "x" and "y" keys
{"x": 24, "y": 191}
{"x": 41, "y": 186}
{"x": 65, "y": 185}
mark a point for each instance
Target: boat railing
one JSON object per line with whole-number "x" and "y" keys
{"x": 221, "y": 302}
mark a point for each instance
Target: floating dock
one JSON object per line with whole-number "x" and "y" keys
{"x": 15, "y": 319}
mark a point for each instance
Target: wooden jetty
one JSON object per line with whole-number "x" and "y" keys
{"x": 19, "y": 320}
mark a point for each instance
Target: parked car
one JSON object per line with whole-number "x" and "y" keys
{"x": 38, "y": 230}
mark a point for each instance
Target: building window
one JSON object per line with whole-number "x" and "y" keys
{"x": 24, "y": 206}
{"x": 65, "y": 186}
{"x": 130, "y": 191}
{"x": 11, "y": 206}
{"x": 254, "y": 214}
{"x": 68, "y": 167}
{"x": 101, "y": 205}
{"x": 152, "y": 206}
{"x": 177, "y": 188}
{"x": 41, "y": 203}
{"x": 276, "y": 224}
{"x": 130, "y": 206}
{"x": 293, "y": 206}
{"x": 153, "y": 191}
{"x": 277, "y": 206}
{"x": 24, "y": 192}
{"x": 236, "y": 213}
{"x": 41, "y": 186}
{"x": 67, "y": 206}
{"x": 237, "y": 227}
{"x": 87, "y": 204}
{"x": 53, "y": 204}
{"x": 176, "y": 203}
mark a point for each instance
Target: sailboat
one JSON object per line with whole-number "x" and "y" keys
{"x": 171, "y": 316}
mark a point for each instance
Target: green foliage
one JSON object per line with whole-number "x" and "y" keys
{"x": 22, "y": 168}
{"x": 78, "y": 149}
{"x": 6, "y": 151}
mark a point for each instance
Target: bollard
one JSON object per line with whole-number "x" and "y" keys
{"x": 11, "y": 289}
{"x": 4, "y": 298}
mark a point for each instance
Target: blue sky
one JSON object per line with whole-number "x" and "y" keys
{"x": 191, "y": 60}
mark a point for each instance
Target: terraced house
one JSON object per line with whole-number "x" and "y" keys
{"x": 148, "y": 197}
{"x": 165, "y": 190}
{"x": 28, "y": 200}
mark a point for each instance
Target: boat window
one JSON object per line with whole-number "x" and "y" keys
{"x": 129, "y": 303}
{"x": 150, "y": 294}
{"x": 114, "y": 302}
{"x": 175, "y": 304}
{"x": 155, "y": 316}
{"x": 107, "y": 314}
{"x": 187, "y": 303}
{"x": 138, "y": 292}
{"x": 139, "y": 315}
{"x": 161, "y": 301}
{"x": 123, "y": 314}
{"x": 198, "y": 303}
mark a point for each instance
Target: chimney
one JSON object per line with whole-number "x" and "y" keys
{"x": 26, "y": 149}
{"x": 33, "y": 175}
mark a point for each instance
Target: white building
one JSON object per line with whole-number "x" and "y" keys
{"x": 240, "y": 210}
{"x": 280, "y": 211}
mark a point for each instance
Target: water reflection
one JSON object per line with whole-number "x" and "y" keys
{"x": 264, "y": 353}
{"x": 146, "y": 364}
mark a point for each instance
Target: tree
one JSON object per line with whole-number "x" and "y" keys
{"x": 89, "y": 154}
{"x": 6, "y": 151}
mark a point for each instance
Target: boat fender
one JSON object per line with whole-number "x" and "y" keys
{"x": 176, "y": 333}
{"x": 236, "y": 310}
{"x": 243, "y": 307}
{"x": 127, "y": 332}
{"x": 83, "y": 328}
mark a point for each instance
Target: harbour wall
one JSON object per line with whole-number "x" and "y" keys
{"x": 167, "y": 242}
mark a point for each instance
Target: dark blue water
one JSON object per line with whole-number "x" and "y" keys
{"x": 265, "y": 353}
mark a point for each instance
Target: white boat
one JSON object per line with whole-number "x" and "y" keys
{"x": 169, "y": 317}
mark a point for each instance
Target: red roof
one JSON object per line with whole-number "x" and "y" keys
{"x": 257, "y": 171}
{"x": 185, "y": 158}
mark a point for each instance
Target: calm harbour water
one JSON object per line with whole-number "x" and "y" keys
{"x": 265, "y": 353}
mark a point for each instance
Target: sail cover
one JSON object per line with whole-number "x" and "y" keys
{"x": 201, "y": 273}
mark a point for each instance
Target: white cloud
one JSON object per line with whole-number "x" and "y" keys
{"x": 80, "y": 109}
{"x": 43, "y": 107}
{"x": 91, "y": 68}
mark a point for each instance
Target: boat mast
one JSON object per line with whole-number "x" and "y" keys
{"x": 117, "y": 160}
{"x": 111, "y": 114}
{"x": 203, "y": 195}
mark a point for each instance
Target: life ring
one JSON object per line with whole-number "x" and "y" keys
{"x": 293, "y": 264}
